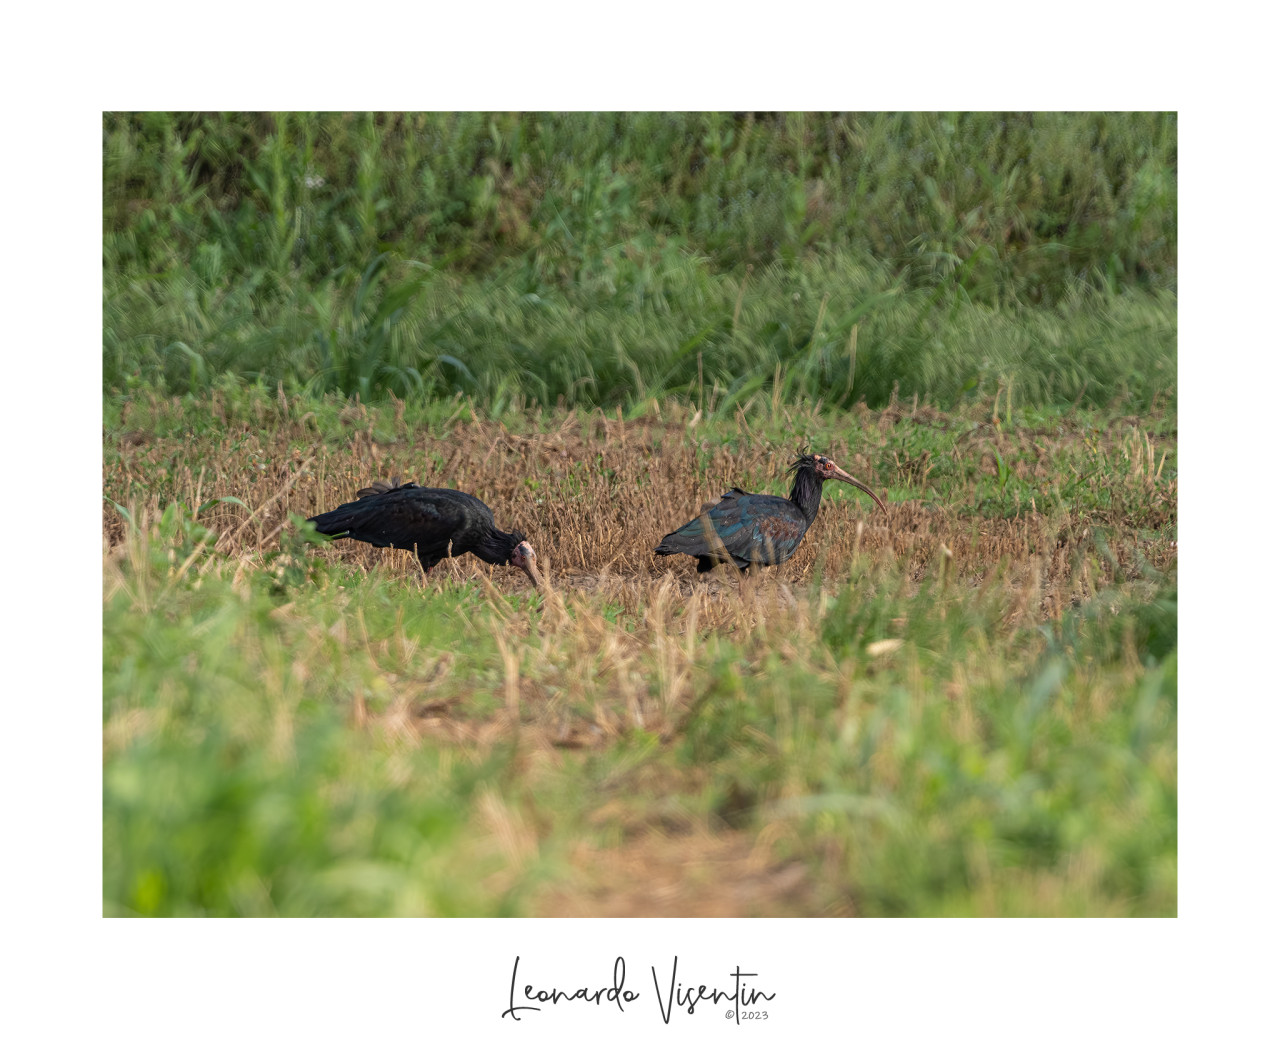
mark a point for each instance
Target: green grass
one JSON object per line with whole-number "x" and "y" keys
{"x": 242, "y": 792}
{"x": 610, "y": 259}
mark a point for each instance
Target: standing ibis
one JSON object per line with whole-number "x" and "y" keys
{"x": 432, "y": 522}
{"x": 759, "y": 529}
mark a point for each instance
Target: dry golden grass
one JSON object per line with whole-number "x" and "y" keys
{"x": 595, "y": 494}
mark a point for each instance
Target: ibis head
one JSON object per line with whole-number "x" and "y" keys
{"x": 829, "y": 470}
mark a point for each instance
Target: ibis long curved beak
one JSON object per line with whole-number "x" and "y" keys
{"x": 531, "y": 570}
{"x": 838, "y": 473}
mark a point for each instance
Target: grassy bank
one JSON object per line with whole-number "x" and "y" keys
{"x": 611, "y": 259}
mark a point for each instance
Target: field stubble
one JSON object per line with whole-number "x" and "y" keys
{"x": 634, "y": 766}
{"x": 596, "y": 493}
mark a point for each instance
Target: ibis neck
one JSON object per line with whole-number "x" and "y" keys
{"x": 806, "y": 493}
{"x": 496, "y": 547}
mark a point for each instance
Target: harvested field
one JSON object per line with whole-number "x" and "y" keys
{"x": 596, "y": 493}
{"x": 967, "y": 707}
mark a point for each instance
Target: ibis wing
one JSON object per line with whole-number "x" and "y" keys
{"x": 379, "y": 487}
{"x": 751, "y": 529}
{"x": 759, "y": 529}
{"x": 697, "y": 538}
{"x": 428, "y": 519}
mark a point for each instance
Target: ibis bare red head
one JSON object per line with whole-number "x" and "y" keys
{"x": 523, "y": 557}
{"x": 829, "y": 470}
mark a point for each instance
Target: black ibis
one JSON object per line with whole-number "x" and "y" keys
{"x": 432, "y": 522}
{"x": 750, "y": 529}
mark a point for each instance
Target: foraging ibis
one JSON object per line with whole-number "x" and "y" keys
{"x": 431, "y": 522}
{"x": 746, "y": 529}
